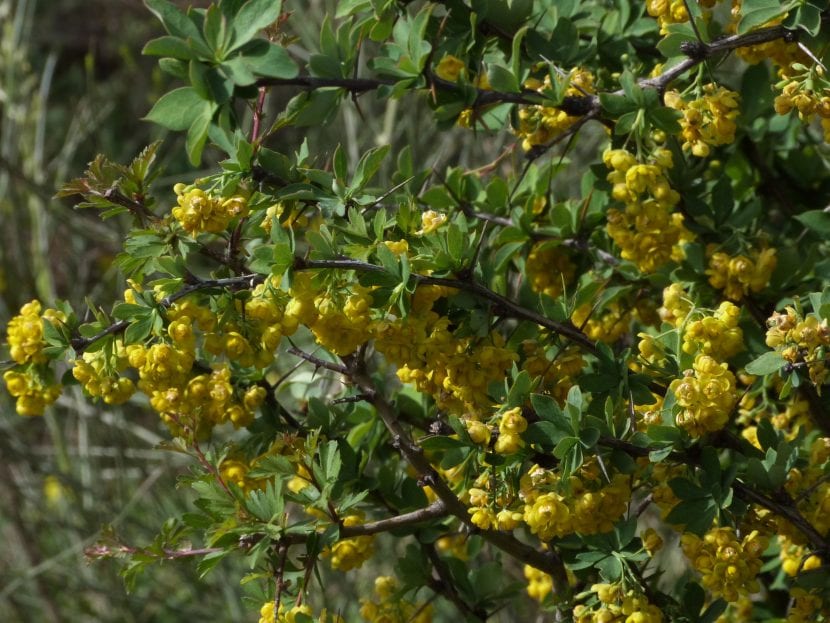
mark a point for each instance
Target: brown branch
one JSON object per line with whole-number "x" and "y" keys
{"x": 136, "y": 208}
{"x": 320, "y": 363}
{"x": 741, "y": 490}
{"x": 258, "y": 108}
{"x": 100, "y": 550}
{"x": 549, "y": 562}
{"x": 435, "y": 510}
{"x": 484, "y": 97}
{"x": 505, "y": 305}
{"x": 444, "y": 585}
{"x": 79, "y": 344}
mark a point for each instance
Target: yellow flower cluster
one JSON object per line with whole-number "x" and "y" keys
{"x": 795, "y": 95}
{"x": 672, "y": 11}
{"x": 667, "y": 12}
{"x": 796, "y": 558}
{"x": 549, "y": 269}
{"x": 343, "y": 328}
{"x": 450, "y": 68}
{"x": 32, "y": 386}
{"x": 300, "y": 216}
{"x": 729, "y": 564}
{"x": 339, "y": 324}
{"x": 248, "y": 334}
{"x": 706, "y": 395}
{"x": 351, "y": 553}
{"x": 511, "y": 425}
{"x": 781, "y": 52}
{"x": 618, "y": 606}
{"x": 557, "y": 374}
{"x": 32, "y": 390}
{"x": 493, "y": 504}
{"x": 25, "y": 332}
{"x": 456, "y": 371}
{"x": 649, "y": 414}
{"x": 708, "y": 121}
{"x": 92, "y": 373}
{"x": 738, "y": 276}
{"x": 267, "y": 614}
{"x": 236, "y": 467}
{"x": 541, "y": 124}
{"x": 651, "y": 351}
{"x": 801, "y": 340}
{"x": 607, "y": 326}
{"x": 198, "y": 211}
{"x": 800, "y": 94}
{"x": 812, "y": 490}
{"x": 539, "y": 583}
{"x": 585, "y": 504}
{"x": 676, "y": 305}
{"x": 430, "y": 221}
{"x": 794, "y": 419}
{"x": 388, "y": 609}
{"x": 718, "y": 335}
{"x": 805, "y": 606}
{"x": 647, "y": 231}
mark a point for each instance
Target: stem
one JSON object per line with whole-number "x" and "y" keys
{"x": 260, "y": 104}
{"x": 742, "y": 491}
{"x": 549, "y": 562}
{"x": 435, "y": 510}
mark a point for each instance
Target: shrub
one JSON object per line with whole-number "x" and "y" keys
{"x": 534, "y": 375}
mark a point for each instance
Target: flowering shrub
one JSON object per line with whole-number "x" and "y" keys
{"x": 532, "y": 379}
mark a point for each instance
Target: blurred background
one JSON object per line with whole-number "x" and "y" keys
{"x": 74, "y": 84}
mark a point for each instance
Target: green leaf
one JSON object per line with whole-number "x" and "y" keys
{"x": 767, "y": 363}
{"x": 197, "y": 136}
{"x": 669, "y": 46}
{"x": 175, "y": 22}
{"x": 616, "y": 105}
{"x": 340, "y": 164}
{"x": 807, "y": 17}
{"x": 756, "y": 13}
{"x": 817, "y": 220}
{"x": 685, "y": 489}
{"x": 548, "y": 409}
{"x": 178, "y": 109}
{"x": 589, "y": 437}
{"x": 139, "y": 329}
{"x": 610, "y": 568}
{"x": 367, "y": 167}
{"x": 251, "y": 18}
{"x": 209, "y": 562}
{"x": 174, "y": 47}
{"x": 564, "y": 446}
{"x": 267, "y": 59}
{"x": 502, "y": 79}
{"x": 266, "y": 505}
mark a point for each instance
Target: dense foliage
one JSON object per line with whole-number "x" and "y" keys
{"x": 586, "y": 374}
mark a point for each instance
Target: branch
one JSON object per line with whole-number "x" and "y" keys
{"x": 549, "y": 562}
{"x": 742, "y": 490}
{"x": 512, "y": 309}
{"x": 320, "y": 363}
{"x": 80, "y": 344}
{"x": 484, "y": 97}
{"x": 445, "y": 585}
{"x": 100, "y": 550}
{"x": 435, "y": 510}
{"x": 698, "y": 52}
